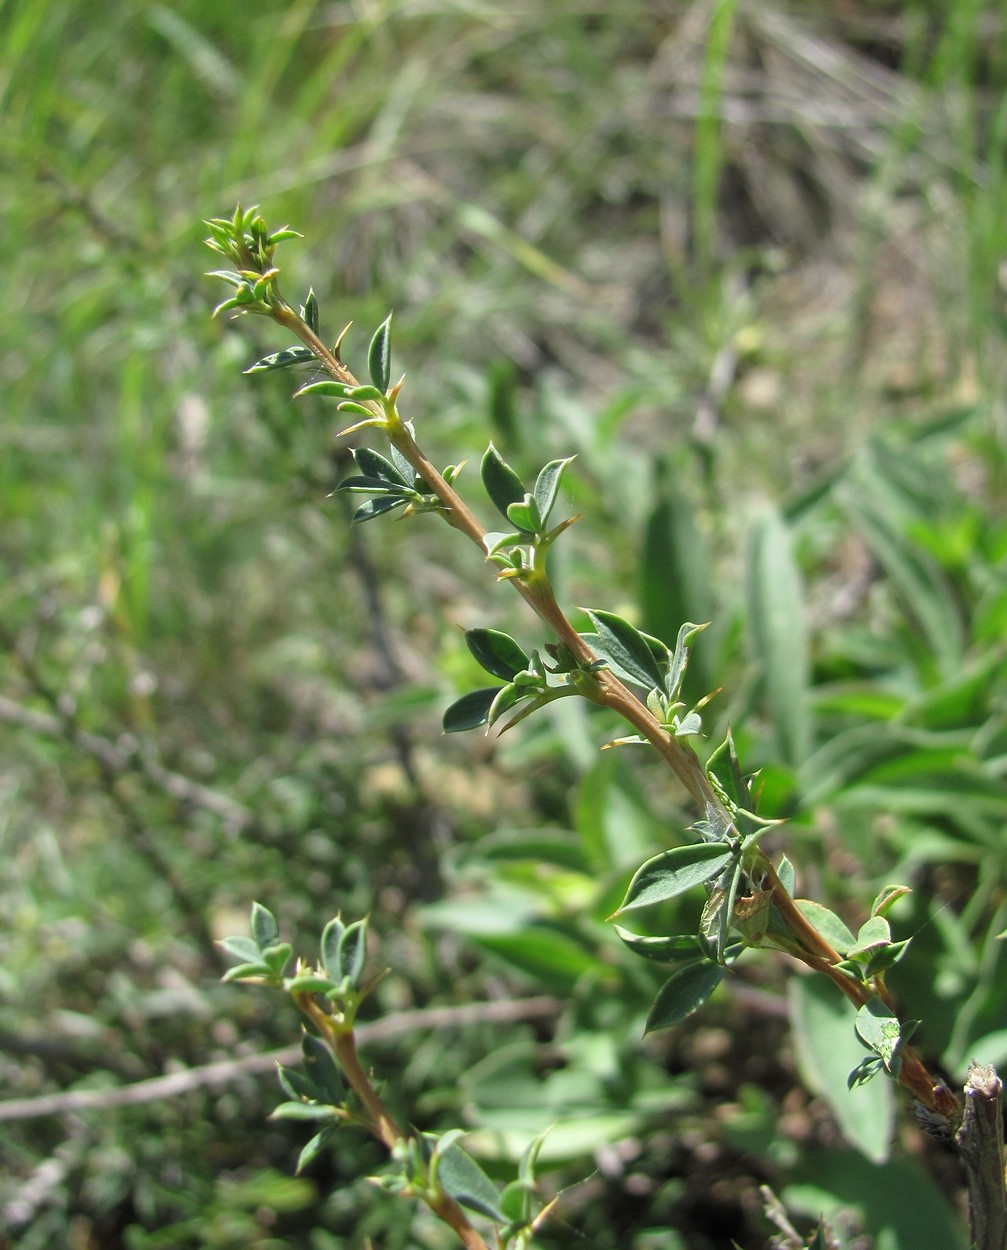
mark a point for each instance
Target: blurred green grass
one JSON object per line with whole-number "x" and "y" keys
{"x": 717, "y": 250}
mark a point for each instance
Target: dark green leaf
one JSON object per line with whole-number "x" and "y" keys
{"x": 282, "y": 360}
{"x": 674, "y": 872}
{"x": 379, "y": 355}
{"x": 296, "y": 1085}
{"x": 310, "y": 311}
{"x": 470, "y": 711}
{"x": 627, "y": 649}
{"x": 497, "y": 652}
{"x": 373, "y": 465}
{"x": 502, "y": 484}
{"x": 377, "y": 507}
{"x": 321, "y": 1069}
{"x": 663, "y": 950}
{"x": 265, "y": 930}
{"x": 314, "y": 1147}
{"x": 682, "y": 993}
{"x": 547, "y": 487}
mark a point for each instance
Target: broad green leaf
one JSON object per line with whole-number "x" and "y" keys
{"x": 379, "y": 355}
{"x": 628, "y": 650}
{"x": 872, "y": 933}
{"x": 682, "y": 993}
{"x": 673, "y": 873}
{"x": 497, "y": 652}
{"x": 265, "y": 930}
{"x": 321, "y": 1069}
{"x": 547, "y": 487}
{"x": 289, "y": 357}
{"x": 470, "y": 711}
{"x": 460, "y": 1176}
{"x": 242, "y": 948}
{"x": 675, "y": 580}
{"x": 502, "y": 484}
{"x": 828, "y": 924}
{"x": 775, "y": 620}
{"x": 827, "y": 1050}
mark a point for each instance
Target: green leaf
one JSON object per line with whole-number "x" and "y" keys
{"x": 309, "y": 982}
{"x": 282, "y": 360}
{"x": 663, "y": 950}
{"x": 525, "y": 515}
{"x": 296, "y": 1085}
{"x": 827, "y": 1050}
{"x": 460, "y": 1176}
{"x": 547, "y": 487}
{"x": 878, "y": 1029}
{"x": 353, "y": 951}
{"x": 873, "y": 933}
{"x": 265, "y": 930}
{"x": 379, "y": 355}
{"x": 687, "y": 634}
{"x": 332, "y": 389}
{"x": 496, "y": 652}
{"x": 629, "y": 652}
{"x": 828, "y": 924}
{"x": 555, "y": 959}
{"x": 321, "y": 1069}
{"x": 242, "y": 948}
{"x": 682, "y": 993}
{"x": 887, "y": 899}
{"x": 502, "y": 484}
{"x": 787, "y": 875}
{"x": 775, "y": 620}
{"x": 470, "y": 711}
{"x": 377, "y": 507}
{"x": 373, "y": 465}
{"x": 310, "y": 311}
{"x": 674, "y": 872}
{"x": 303, "y": 1111}
{"x": 885, "y": 958}
{"x": 331, "y": 935}
{"x": 276, "y": 956}
{"x": 244, "y": 972}
{"x": 314, "y": 1147}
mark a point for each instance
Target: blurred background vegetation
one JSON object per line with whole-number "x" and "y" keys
{"x": 748, "y": 261}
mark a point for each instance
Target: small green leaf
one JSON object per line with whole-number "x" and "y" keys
{"x": 321, "y": 1069}
{"x": 828, "y": 924}
{"x": 353, "y": 951}
{"x": 296, "y": 1085}
{"x": 885, "y": 958}
{"x": 265, "y": 930}
{"x": 497, "y": 652}
{"x": 331, "y": 389}
{"x": 879, "y": 1030}
{"x": 502, "y": 484}
{"x": 724, "y": 770}
{"x": 308, "y": 982}
{"x": 303, "y": 1111}
{"x": 379, "y": 355}
{"x": 629, "y": 651}
{"x": 282, "y": 360}
{"x": 460, "y": 1176}
{"x": 674, "y": 872}
{"x": 331, "y": 935}
{"x": 507, "y": 697}
{"x": 787, "y": 875}
{"x": 887, "y": 899}
{"x": 547, "y": 487}
{"x": 242, "y": 948}
{"x": 314, "y": 1147}
{"x": 373, "y": 465}
{"x": 525, "y": 515}
{"x": 377, "y": 507}
{"x": 663, "y": 950}
{"x": 873, "y": 933}
{"x": 682, "y": 993}
{"x": 310, "y": 311}
{"x": 276, "y": 956}
{"x": 245, "y": 972}
{"x": 470, "y": 711}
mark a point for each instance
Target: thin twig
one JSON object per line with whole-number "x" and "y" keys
{"x": 980, "y": 1142}
{"x": 225, "y": 1072}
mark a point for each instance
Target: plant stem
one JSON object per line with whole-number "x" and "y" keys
{"x": 608, "y": 691}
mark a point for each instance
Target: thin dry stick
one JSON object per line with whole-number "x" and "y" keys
{"x": 217, "y": 1075}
